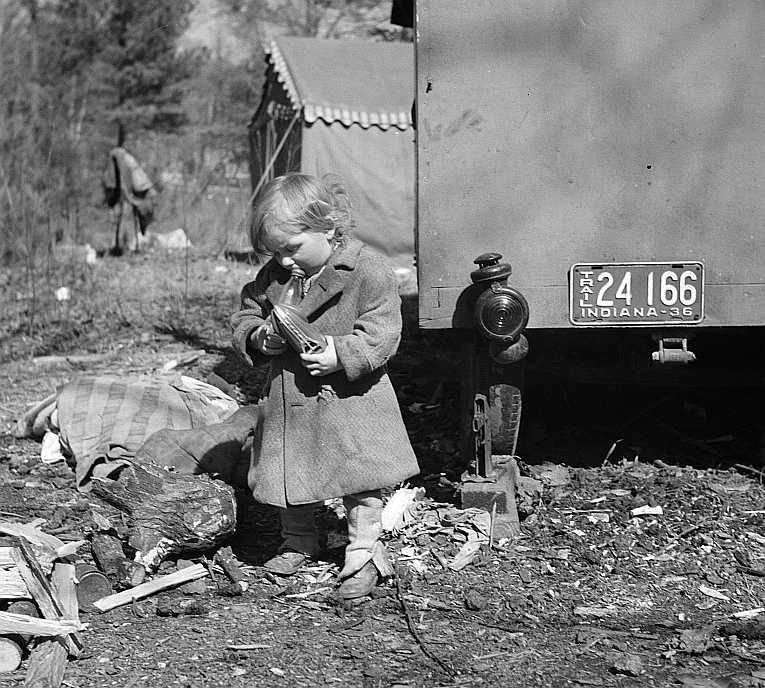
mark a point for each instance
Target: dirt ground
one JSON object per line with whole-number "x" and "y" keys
{"x": 591, "y": 593}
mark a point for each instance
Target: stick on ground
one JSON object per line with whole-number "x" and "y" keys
{"x": 413, "y": 629}
{"x": 145, "y": 589}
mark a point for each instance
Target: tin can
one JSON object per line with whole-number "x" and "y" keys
{"x": 92, "y": 585}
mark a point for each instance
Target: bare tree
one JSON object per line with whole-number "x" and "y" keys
{"x": 320, "y": 18}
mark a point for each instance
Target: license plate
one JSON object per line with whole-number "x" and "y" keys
{"x": 619, "y": 294}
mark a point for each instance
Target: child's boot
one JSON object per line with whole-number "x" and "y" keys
{"x": 300, "y": 540}
{"x": 365, "y": 555}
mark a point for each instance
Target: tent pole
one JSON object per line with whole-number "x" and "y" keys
{"x": 267, "y": 170}
{"x": 273, "y": 158}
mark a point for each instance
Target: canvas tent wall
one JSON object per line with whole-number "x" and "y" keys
{"x": 344, "y": 107}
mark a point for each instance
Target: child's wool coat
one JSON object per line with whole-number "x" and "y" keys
{"x": 338, "y": 434}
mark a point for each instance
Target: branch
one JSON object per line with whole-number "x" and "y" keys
{"x": 413, "y": 629}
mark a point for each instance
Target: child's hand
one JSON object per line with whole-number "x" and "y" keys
{"x": 267, "y": 340}
{"x": 322, "y": 363}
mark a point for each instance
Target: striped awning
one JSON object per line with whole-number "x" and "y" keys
{"x": 364, "y": 83}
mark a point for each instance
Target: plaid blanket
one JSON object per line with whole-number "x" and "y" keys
{"x": 101, "y": 419}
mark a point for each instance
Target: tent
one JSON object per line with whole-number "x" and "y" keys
{"x": 344, "y": 107}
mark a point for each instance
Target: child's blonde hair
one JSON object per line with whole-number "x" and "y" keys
{"x": 300, "y": 202}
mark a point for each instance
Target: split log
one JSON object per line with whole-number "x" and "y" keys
{"x": 48, "y": 660}
{"x": 42, "y": 592}
{"x": 12, "y": 587}
{"x": 124, "y": 573}
{"x": 29, "y": 625}
{"x": 47, "y": 548}
{"x": 145, "y": 589}
{"x": 63, "y": 584}
{"x": 47, "y": 665}
{"x": 170, "y": 513}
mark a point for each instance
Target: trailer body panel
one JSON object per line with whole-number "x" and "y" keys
{"x": 564, "y": 132}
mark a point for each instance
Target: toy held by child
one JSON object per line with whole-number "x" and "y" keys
{"x": 331, "y": 424}
{"x": 299, "y": 333}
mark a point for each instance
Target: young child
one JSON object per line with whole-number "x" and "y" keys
{"x": 331, "y": 424}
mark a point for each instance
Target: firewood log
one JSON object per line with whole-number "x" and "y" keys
{"x": 225, "y": 557}
{"x": 170, "y": 513}
{"x": 48, "y": 659}
{"x": 11, "y": 650}
{"x": 108, "y": 553}
{"x": 11, "y": 584}
{"x": 49, "y": 597}
{"x": 25, "y": 607}
{"x": 47, "y": 665}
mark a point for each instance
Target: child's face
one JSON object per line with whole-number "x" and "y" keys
{"x": 308, "y": 250}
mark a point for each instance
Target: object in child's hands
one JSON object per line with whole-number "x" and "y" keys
{"x": 302, "y": 336}
{"x": 268, "y": 340}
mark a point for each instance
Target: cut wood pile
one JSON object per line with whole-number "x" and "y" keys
{"x": 38, "y": 591}
{"x": 45, "y": 585}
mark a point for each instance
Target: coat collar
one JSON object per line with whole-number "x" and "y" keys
{"x": 332, "y": 278}
{"x": 328, "y": 283}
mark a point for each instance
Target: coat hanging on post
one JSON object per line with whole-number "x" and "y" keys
{"x": 125, "y": 181}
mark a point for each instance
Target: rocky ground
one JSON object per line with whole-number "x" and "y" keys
{"x": 641, "y": 557}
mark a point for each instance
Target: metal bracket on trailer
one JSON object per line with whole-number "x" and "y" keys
{"x": 673, "y": 350}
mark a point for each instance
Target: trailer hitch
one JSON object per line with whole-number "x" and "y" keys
{"x": 673, "y": 350}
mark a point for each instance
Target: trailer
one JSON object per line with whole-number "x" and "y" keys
{"x": 603, "y": 165}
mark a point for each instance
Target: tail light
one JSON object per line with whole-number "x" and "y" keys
{"x": 501, "y": 311}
